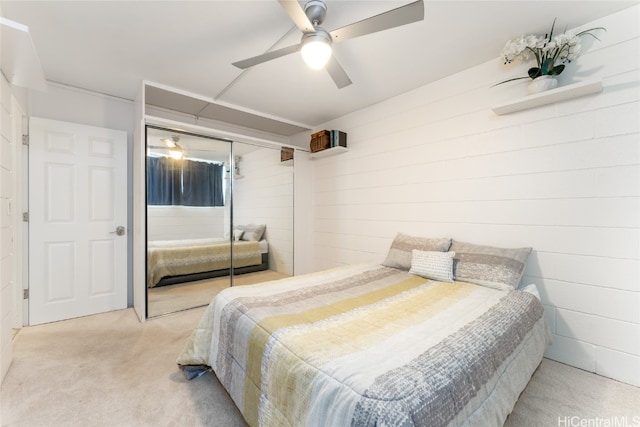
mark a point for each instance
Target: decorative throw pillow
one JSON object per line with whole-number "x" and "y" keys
{"x": 494, "y": 267}
{"x": 237, "y": 234}
{"x": 252, "y": 232}
{"x": 399, "y": 255}
{"x": 433, "y": 265}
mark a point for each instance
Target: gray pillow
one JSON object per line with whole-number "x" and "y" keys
{"x": 500, "y": 268}
{"x": 399, "y": 255}
{"x": 252, "y": 232}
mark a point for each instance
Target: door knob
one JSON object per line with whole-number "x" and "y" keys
{"x": 120, "y": 230}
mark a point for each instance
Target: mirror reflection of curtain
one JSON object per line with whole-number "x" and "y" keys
{"x": 184, "y": 182}
{"x": 202, "y": 184}
{"x": 164, "y": 185}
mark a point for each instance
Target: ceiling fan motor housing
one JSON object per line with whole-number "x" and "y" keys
{"x": 320, "y": 34}
{"x": 316, "y": 11}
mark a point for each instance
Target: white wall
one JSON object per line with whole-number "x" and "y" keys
{"x": 184, "y": 222}
{"x": 563, "y": 178}
{"x": 265, "y": 196}
{"x": 304, "y": 257}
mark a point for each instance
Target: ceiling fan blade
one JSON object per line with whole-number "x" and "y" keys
{"x": 297, "y": 15}
{"x": 268, "y": 56}
{"x": 402, "y": 15}
{"x": 337, "y": 73}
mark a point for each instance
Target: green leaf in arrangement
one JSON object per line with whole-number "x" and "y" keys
{"x": 534, "y": 72}
{"x": 547, "y": 65}
{"x": 555, "y": 71}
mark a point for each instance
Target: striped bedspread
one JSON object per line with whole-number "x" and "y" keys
{"x": 367, "y": 345}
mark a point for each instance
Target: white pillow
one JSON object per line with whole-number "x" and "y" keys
{"x": 252, "y": 232}
{"x": 432, "y": 265}
{"x": 237, "y": 234}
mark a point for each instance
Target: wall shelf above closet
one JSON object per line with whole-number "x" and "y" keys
{"x": 329, "y": 152}
{"x": 555, "y": 95}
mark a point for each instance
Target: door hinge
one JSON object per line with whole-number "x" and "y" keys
{"x": 25, "y": 216}
{"x": 25, "y": 139}
{"x": 25, "y": 294}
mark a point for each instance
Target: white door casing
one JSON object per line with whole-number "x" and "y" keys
{"x": 77, "y": 200}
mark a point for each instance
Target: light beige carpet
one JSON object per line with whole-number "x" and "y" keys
{"x": 563, "y": 396}
{"x": 111, "y": 370}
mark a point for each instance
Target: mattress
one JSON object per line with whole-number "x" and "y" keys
{"x": 168, "y": 258}
{"x": 368, "y": 345}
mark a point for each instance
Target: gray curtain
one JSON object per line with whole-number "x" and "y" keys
{"x": 184, "y": 182}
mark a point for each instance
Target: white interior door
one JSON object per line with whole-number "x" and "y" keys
{"x": 77, "y": 202}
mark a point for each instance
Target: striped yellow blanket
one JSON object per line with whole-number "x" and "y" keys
{"x": 177, "y": 257}
{"x": 367, "y": 345}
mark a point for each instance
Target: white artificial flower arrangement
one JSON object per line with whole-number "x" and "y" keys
{"x": 550, "y": 52}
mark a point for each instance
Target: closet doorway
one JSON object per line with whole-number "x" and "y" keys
{"x": 219, "y": 214}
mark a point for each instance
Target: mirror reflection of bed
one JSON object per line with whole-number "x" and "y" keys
{"x": 191, "y": 239}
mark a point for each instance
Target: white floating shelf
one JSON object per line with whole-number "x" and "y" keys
{"x": 554, "y": 95}
{"x": 329, "y": 152}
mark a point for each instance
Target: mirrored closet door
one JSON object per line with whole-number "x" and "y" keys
{"x": 188, "y": 219}
{"x": 219, "y": 214}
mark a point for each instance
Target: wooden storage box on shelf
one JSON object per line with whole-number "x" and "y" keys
{"x": 320, "y": 141}
{"x": 286, "y": 153}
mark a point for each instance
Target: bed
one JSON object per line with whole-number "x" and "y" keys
{"x": 177, "y": 261}
{"x": 377, "y": 344}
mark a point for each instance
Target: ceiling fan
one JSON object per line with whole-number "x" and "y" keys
{"x": 170, "y": 144}
{"x": 315, "y": 45}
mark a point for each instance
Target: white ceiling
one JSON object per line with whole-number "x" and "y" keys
{"x": 111, "y": 46}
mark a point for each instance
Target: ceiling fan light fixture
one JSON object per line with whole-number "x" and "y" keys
{"x": 316, "y": 49}
{"x": 176, "y": 154}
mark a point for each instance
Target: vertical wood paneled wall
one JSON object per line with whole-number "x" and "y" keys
{"x": 185, "y": 222}
{"x": 264, "y": 195}
{"x": 562, "y": 178}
